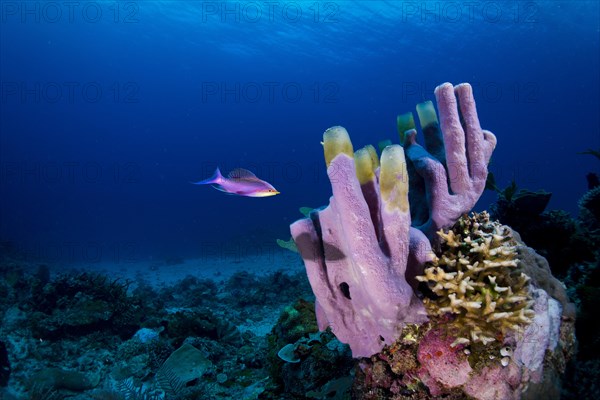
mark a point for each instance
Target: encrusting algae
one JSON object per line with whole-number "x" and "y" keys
{"x": 477, "y": 280}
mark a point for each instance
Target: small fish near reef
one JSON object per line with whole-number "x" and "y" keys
{"x": 240, "y": 182}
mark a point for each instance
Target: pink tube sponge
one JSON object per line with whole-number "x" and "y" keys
{"x": 453, "y": 166}
{"x": 360, "y": 252}
{"x": 356, "y": 268}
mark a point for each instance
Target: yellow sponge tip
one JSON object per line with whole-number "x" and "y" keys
{"x": 335, "y": 141}
{"x": 373, "y": 154}
{"x": 393, "y": 179}
{"x": 365, "y": 170}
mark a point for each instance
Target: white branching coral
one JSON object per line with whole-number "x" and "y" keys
{"x": 476, "y": 278}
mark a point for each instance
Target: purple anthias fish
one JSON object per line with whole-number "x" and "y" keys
{"x": 240, "y": 182}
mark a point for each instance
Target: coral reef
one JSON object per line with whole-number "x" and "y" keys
{"x": 478, "y": 281}
{"x": 478, "y": 326}
{"x": 295, "y": 322}
{"x": 311, "y": 368}
{"x": 589, "y": 213}
{"x": 304, "y": 362}
{"x": 512, "y": 203}
{"x": 462, "y": 352}
{"x": 118, "y": 362}
{"x": 356, "y": 251}
{"x": 470, "y": 312}
{"x": 554, "y": 234}
{"x": 75, "y": 305}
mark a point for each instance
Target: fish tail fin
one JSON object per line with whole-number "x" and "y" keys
{"x": 215, "y": 178}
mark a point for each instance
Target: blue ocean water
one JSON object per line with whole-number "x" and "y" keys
{"x": 109, "y": 109}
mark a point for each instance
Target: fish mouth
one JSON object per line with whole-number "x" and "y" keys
{"x": 267, "y": 193}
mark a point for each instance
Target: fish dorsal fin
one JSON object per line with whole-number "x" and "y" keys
{"x": 241, "y": 174}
